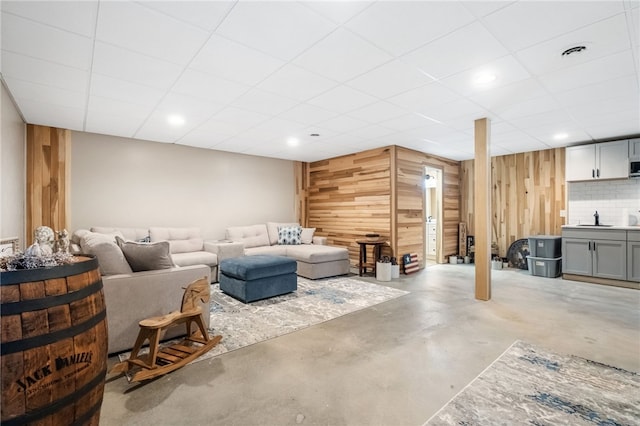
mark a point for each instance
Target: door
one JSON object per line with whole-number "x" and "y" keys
{"x": 576, "y": 256}
{"x": 613, "y": 160}
{"x": 580, "y": 163}
{"x": 433, "y": 214}
{"x": 610, "y": 259}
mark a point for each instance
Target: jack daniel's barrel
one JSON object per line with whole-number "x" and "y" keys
{"x": 54, "y": 344}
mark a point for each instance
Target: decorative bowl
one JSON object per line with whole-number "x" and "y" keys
{"x": 372, "y": 237}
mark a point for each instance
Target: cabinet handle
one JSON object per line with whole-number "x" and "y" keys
{"x": 594, "y": 246}
{"x": 597, "y": 172}
{"x": 589, "y": 245}
{"x": 593, "y": 173}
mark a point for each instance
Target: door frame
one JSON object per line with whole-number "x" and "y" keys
{"x": 439, "y": 211}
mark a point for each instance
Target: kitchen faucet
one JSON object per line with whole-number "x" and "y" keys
{"x": 597, "y": 216}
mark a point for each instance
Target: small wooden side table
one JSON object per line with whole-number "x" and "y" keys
{"x": 377, "y": 250}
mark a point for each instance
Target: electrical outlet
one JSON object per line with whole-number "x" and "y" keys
{"x": 563, "y": 213}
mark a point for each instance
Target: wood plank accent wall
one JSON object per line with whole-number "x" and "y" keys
{"x": 48, "y": 162}
{"x": 410, "y": 215}
{"x": 350, "y": 196}
{"x": 528, "y": 192}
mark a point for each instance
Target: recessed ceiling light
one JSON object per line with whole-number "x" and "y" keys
{"x": 293, "y": 142}
{"x": 175, "y": 120}
{"x": 560, "y": 136}
{"x": 484, "y": 78}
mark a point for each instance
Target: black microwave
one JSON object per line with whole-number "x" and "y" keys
{"x": 634, "y": 167}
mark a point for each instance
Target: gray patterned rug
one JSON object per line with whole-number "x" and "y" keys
{"x": 314, "y": 301}
{"x": 528, "y": 385}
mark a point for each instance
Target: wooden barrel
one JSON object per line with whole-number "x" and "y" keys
{"x": 54, "y": 344}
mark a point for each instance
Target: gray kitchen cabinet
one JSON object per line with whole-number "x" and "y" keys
{"x": 633, "y": 256}
{"x": 634, "y": 148}
{"x": 595, "y": 252}
{"x": 608, "y": 160}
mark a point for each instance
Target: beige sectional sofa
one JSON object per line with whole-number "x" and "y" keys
{"x": 132, "y": 296}
{"x": 315, "y": 259}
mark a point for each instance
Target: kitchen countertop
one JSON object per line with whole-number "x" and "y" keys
{"x": 626, "y": 228}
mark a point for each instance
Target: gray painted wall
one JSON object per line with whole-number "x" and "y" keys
{"x": 13, "y": 175}
{"x": 124, "y": 182}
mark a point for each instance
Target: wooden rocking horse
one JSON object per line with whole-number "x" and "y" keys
{"x": 159, "y": 360}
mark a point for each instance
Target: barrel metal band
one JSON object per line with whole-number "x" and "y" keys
{"x": 40, "y": 274}
{"x": 56, "y": 406}
{"x": 15, "y": 308}
{"x": 55, "y": 336}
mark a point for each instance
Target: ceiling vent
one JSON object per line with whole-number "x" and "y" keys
{"x": 574, "y": 49}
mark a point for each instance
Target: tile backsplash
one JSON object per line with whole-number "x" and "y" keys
{"x": 609, "y": 198}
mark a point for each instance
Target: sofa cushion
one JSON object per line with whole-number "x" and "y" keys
{"x": 289, "y": 235}
{"x": 268, "y": 250}
{"x": 306, "y": 236}
{"x": 146, "y": 256}
{"x": 316, "y": 253}
{"x": 195, "y": 258}
{"x": 272, "y": 230}
{"x": 110, "y": 257}
{"x": 181, "y": 240}
{"x": 133, "y": 234}
{"x": 250, "y": 236}
{"x": 256, "y": 267}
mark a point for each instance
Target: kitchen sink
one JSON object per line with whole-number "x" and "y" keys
{"x": 586, "y": 224}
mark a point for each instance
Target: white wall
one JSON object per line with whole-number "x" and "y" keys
{"x": 124, "y": 182}
{"x": 609, "y": 198}
{"x": 13, "y": 175}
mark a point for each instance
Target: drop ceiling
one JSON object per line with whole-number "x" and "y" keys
{"x": 256, "y": 77}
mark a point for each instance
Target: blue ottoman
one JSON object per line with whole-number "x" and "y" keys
{"x": 252, "y": 278}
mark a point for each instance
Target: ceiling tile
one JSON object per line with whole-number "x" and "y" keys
{"x": 618, "y": 87}
{"x": 518, "y": 142}
{"x": 484, "y": 8}
{"x": 399, "y": 27}
{"x": 510, "y": 94}
{"x": 462, "y": 108}
{"x": 46, "y": 94}
{"x": 240, "y": 116}
{"x": 596, "y": 71}
{"x": 281, "y": 29}
{"x": 206, "y": 86}
{"x": 233, "y": 61}
{"x": 307, "y": 114}
{"x": 343, "y": 123}
{"x": 280, "y": 128}
{"x": 78, "y": 17}
{"x": 390, "y": 79}
{"x": 425, "y": 97}
{"x": 193, "y": 110}
{"x": 123, "y": 64}
{"x": 156, "y": 128}
{"x": 406, "y": 122}
{"x": 378, "y": 111}
{"x": 204, "y": 14}
{"x": 462, "y": 49}
{"x": 51, "y": 115}
{"x": 107, "y": 116}
{"x": 143, "y": 30}
{"x": 600, "y": 39}
{"x": 338, "y": 11}
{"x": 545, "y": 120}
{"x": 525, "y": 23}
{"x": 372, "y": 132}
{"x": 342, "y": 99}
{"x": 506, "y": 69}
{"x": 24, "y": 68}
{"x": 113, "y": 88}
{"x": 342, "y": 56}
{"x": 30, "y": 38}
{"x": 527, "y": 108}
{"x": 264, "y": 102}
{"x": 297, "y": 83}
{"x": 203, "y": 138}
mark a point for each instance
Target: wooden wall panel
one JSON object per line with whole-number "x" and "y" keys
{"x": 350, "y": 196}
{"x": 410, "y": 166}
{"x": 528, "y": 193}
{"x": 48, "y": 152}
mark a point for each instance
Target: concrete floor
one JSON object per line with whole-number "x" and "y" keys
{"x": 396, "y": 363}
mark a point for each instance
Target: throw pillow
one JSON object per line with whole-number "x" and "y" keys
{"x": 109, "y": 255}
{"x": 306, "y": 236}
{"x": 289, "y": 235}
{"x": 146, "y": 256}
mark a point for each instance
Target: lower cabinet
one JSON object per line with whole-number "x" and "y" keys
{"x": 633, "y": 261}
{"x": 602, "y": 258}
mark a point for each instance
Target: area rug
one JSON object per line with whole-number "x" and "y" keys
{"x": 528, "y": 385}
{"x": 314, "y": 302}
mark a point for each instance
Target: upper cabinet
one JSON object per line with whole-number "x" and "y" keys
{"x": 608, "y": 160}
{"x": 634, "y": 148}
